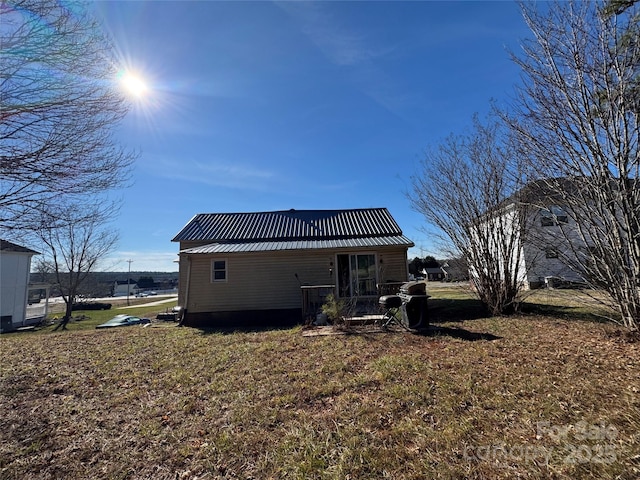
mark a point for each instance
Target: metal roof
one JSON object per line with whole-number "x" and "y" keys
{"x": 243, "y": 247}
{"x": 290, "y": 225}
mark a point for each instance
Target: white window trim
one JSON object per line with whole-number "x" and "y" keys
{"x": 376, "y": 265}
{"x": 226, "y": 270}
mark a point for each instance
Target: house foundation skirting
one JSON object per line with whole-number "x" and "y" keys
{"x": 244, "y": 319}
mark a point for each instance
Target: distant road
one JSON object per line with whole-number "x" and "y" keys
{"x": 153, "y": 299}
{"x": 172, "y": 298}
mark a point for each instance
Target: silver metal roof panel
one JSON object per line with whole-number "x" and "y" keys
{"x": 245, "y": 247}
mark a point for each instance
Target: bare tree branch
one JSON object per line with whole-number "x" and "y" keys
{"x": 76, "y": 239}
{"x": 576, "y": 117}
{"x": 59, "y": 103}
{"x": 466, "y": 188}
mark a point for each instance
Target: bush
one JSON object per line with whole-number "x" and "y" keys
{"x": 338, "y": 310}
{"x": 91, "y": 306}
{"x": 333, "y": 308}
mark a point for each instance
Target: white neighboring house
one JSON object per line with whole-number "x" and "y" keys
{"x": 122, "y": 288}
{"x": 544, "y": 238}
{"x": 15, "y": 265}
{"x": 547, "y": 248}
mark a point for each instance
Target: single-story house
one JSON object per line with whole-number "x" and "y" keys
{"x": 455, "y": 270}
{"x": 15, "y": 267}
{"x": 240, "y": 269}
{"x": 434, "y": 274}
{"x": 124, "y": 288}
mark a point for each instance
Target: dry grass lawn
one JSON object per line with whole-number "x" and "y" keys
{"x": 534, "y": 396}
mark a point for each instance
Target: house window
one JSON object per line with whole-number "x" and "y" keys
{"x": 357, "y": 275}
{"x": 553, "y": 216}
{"x": 218, "y": 271}
{"x": 551, "y": 252}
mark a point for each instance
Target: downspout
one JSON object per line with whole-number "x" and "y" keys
{"x": 186, "y": 291}
{"x": 406, "y": 262}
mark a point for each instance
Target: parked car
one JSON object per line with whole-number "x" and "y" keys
{"x": 124, "y": 321}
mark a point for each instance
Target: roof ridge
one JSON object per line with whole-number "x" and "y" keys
{"x": 290, "y": 224}
{"x": 296, "y": 210}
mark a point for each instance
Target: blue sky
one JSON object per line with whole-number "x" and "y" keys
{"x": 260, "y": 106}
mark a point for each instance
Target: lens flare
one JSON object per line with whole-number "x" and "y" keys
{"x": 133, "y": 84}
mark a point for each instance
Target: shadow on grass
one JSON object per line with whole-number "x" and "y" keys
{"x": 458, "y": 310}
{"x": 459, "y": 333}
{"x": 240, "y": 329}
{"x": 588, "y": 314}
{"x": 455, "y": 310}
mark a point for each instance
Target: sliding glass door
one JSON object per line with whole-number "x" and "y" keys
{"x": 357, "y": 275}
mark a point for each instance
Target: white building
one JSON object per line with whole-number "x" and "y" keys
{"x": 545, "y": 240}
{"x": 122, "y": 288}
{"x": 15, "y": 265}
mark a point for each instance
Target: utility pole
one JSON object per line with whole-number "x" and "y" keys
{"x": 129, "y": 281}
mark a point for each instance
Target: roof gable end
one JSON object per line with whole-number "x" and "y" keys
{"x": 6, "y": 246}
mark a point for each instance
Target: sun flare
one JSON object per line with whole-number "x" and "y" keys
{"x": 134, "y": 85}
{"x": 144, "y": 95}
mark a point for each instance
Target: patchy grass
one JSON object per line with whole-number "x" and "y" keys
{"x": 530, "y": 396}
{"x": 456, "y": 302}
{"x": 586, "y": 305}
{"x": 453, "y": 302}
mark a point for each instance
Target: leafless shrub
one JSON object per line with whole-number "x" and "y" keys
{"x": 466, "y": 188}
{"x": 576, "y": 118}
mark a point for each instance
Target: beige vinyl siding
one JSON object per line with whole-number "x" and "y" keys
{"x": 394, "y": 266}
{"x": 255, "y": 281}
{"x": 267, "y": 280}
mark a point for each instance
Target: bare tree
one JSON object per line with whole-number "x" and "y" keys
{"x": 467, "y": 188}
{"x": 59, "y": 103}
{"x": 76, "y": 240}
{"x": 577, "y": 115}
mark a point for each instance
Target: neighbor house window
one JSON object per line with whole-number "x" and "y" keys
{"x": 552, "y": 216}
{"x": 218, "y": 270}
